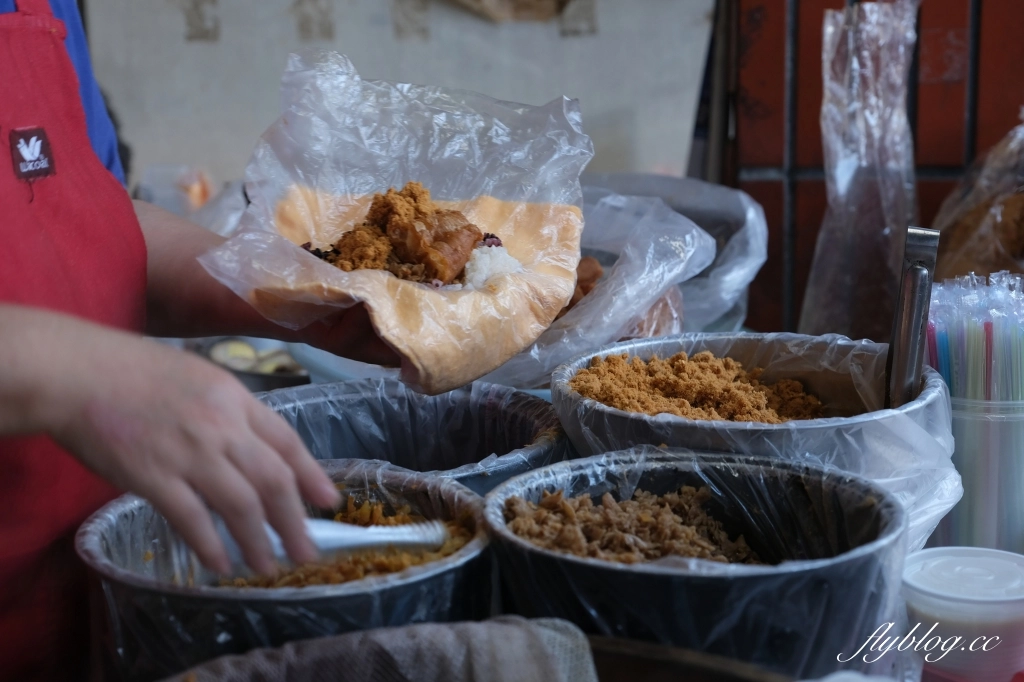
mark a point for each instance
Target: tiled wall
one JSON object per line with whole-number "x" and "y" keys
{"x": 966, "y": 92}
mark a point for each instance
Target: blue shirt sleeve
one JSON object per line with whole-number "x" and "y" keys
{"x": 97, "y": 120}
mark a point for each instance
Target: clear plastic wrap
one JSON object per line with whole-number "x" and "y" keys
{"x": 479, "y": 435}
{"x": 157, "y": 624}
{"x": 982, "y": 221}
{"x": 182, "y": 190}
{"x": 839, "y": 543}
{"x": 907, "y": 451}
{"x": 869, "y": 170}
{"x": 648, "y": 248}
{"x": 509, "y": 649}
{"x": 715, "y": 300}
{"x": 222, "y": 214}
{"x": 512, "y": 169}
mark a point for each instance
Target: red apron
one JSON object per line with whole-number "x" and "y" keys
{"x": 69, "y": 242}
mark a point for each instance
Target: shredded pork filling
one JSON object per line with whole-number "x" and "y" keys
{"x": 644, "y": 528}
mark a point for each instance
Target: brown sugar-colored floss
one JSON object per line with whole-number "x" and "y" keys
{"x": 363, "y": 248}
{"x": 407, "y": 234}
{"x": 702, "y": 387}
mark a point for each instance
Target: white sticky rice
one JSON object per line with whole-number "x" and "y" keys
{"x": 489, "y": 261}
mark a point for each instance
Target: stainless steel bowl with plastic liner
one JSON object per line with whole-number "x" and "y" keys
{"x": 479, "y": 435}
{"x": 159, "y": 622}
{"x": 837, "y": 543}
{"x": 907, "y": 450}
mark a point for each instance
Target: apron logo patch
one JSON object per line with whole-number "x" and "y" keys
{"x": 30, "y": 151}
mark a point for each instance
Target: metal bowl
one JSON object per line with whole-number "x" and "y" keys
{"x": 908, "y": 450}
{"x": 838, "y": 543}
{"x": 479, "y": 435}
{"x": 157, "y": 624}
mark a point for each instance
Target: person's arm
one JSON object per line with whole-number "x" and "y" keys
{"x": 165, "y": 425}
{"x": 183, "y": 300}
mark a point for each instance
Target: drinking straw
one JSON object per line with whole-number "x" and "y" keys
{"x": 975, "y": 336}
{"x": 987, "y": 326}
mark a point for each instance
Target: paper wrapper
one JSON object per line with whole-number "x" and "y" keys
{"x": 648, "y": 250}
{"x": 512, "y": 169}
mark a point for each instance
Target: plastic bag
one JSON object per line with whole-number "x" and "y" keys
{"x": 222, "y": 214}
{"x": 509, "y": 649}
{"x": 182, "y": 190}
{"x": 479, "y": 435}
{"x": 837, "y": 541}
{"x": 869, "y": 170}
{"x": 650, "y": 249}
{"x": 982, "y": 221}
{"x": 716, "y": 299}
{"x": 157, "y": 624}
{"x": 908, "y": 451}
{"x": 512, "y": 169}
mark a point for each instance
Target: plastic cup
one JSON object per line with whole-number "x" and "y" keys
{"x": 989, "y": 455}
{"x": 962, "y": 599}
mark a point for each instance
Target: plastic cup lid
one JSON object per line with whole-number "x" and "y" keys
{"x": 966, "y": 574}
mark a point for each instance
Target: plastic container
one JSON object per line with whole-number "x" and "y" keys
{"x": 975, "y": 595}
{"x": 254, "y": 381}
{"x": 479, "y": 435}
{"x": 989, "y": 455}
{"x": 841, "y": 541}
{"x": 157, "y": 624}
{"x": 907, "y": 451}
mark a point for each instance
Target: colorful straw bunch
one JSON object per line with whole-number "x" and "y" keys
{"x": 976, "y": 336}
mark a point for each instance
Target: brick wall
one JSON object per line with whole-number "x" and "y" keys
{"x": 966, "y": 92}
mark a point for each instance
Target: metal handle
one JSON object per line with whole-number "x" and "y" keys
{"x": 905, "y": 362}
{"x": 331, "y": 537}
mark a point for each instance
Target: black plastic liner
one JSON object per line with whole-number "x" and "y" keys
{"x": 479, "y": 435}
{"x": 839, "y": 542}
{"x": 157, "y": 625}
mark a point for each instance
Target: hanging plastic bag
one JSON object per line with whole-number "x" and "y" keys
{"x": 869, "y": 170}
{"x": 982, "y": 221}
{"x": 511, "y": 169}
{"x": 649, "y": 249}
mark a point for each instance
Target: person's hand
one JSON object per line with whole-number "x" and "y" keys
{"x": 184, "y": 300}
{"x": 351, "y": 335}
{"x": 182, "y": 433}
